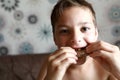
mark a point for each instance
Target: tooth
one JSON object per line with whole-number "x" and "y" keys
{"x": 81, "y": 53}
{"x": 79, "y": 49}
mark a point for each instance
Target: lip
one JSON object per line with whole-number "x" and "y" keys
{"x": 78, "y": 48}
{"x": 81, "y": 52}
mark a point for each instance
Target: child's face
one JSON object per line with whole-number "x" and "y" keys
{"x": 75, "y": 28}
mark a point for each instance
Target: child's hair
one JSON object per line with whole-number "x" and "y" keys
{"x": 64, "y": 4}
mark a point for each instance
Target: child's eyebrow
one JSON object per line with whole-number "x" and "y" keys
{"x": 79, "y": 24}
{"x": 62, "y": 25}
{"x": 83, "y": 23}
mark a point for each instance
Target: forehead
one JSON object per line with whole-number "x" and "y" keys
{"x": 75, "y": 15}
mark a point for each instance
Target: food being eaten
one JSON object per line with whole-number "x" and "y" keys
{"x": 81, "y": 54}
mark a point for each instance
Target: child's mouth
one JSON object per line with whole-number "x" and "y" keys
{"x": 81, "y": 54}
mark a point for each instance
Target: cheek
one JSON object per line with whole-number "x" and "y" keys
{"x": 61, "y": 41}
{"x": 91, "y": 38}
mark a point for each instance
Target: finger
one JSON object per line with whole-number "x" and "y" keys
{"x": 101, "y": 53}
{"x": 62, "y": 57}
{"x": 100, "y": 45}
{"x": 67, "y": 62}
{"x": 61, "y": 51}
{"x": 65, "y": 56}
{"x": 62, "y": 64}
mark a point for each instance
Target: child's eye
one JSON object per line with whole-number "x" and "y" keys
{"x": 64, "y": 31}
{"x": 84, "y": 29}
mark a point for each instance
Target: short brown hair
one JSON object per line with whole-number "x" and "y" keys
{"x": 63, "y": 4}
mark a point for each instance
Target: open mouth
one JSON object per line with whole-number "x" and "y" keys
{"x": 81, "y": 52}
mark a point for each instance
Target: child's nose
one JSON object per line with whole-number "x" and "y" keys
{"x": 75, "y": 41}
{"x": 76, "y": 37}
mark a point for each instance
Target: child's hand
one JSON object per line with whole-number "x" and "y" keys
{"x": 59, "y": 61}
{"x": 107, "y": 55}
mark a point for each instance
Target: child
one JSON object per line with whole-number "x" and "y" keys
{"x": 80, "y": 56}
